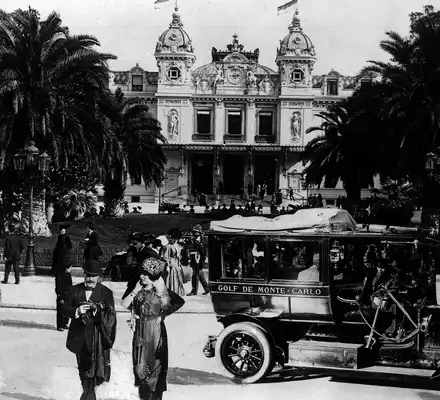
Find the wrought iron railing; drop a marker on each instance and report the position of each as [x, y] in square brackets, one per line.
[233, 138]
[265, 139]
[202, 137]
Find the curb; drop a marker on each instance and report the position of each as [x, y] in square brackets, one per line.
[53, 308]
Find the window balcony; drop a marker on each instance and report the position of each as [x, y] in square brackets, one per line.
[265, 139]
[233, 138]
[202, 137]
[137, 88]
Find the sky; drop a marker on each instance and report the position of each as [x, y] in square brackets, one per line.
[346, 33]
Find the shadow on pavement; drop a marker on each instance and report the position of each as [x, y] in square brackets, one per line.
[184, 376]
[428, 396]
[290, 375]
[21, 396]
[26, 325]
[406, 382]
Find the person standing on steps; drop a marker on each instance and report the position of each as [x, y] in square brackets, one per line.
[197, 260]
[14, 246]
[61, 267]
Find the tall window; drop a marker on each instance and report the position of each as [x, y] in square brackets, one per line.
[332, 87]
[136, 83]
[203, 122]
[265, 123]
[235, 123]
[136, 180]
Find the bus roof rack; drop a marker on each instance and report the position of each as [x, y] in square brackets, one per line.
[306, 220]
[317, 220]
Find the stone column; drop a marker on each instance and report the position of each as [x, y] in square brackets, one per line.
[219, 121]
[250, 121]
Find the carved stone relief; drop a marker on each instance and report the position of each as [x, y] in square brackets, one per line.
[266, 85]
[295, 126]
[173, 125]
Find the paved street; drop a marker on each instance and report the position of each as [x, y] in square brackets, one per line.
[35, 365]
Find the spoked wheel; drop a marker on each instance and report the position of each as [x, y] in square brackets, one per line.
[244, 353]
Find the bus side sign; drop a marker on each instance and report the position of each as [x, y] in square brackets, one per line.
[274, 290]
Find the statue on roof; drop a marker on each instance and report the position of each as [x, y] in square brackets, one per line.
[219, 78]
[214, 54]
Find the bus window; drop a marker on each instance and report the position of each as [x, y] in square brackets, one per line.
[295, 261]
[366, 264]
[244, 258]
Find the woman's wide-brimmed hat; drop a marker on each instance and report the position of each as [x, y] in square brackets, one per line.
[92, 268]
[153, 266]
[64, 226]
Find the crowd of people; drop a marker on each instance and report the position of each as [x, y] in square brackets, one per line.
[157, 269]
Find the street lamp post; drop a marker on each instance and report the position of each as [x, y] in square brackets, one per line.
[31, 159]
[160, 191]
[306, 187]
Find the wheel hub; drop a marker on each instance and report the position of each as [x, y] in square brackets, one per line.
[245, 352]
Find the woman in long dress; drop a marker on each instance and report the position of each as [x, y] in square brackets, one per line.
[150, 302]
[172, 255]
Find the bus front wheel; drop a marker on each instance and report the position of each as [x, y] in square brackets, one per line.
[244, 353]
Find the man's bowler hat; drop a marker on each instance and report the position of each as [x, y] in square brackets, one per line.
[92, 268]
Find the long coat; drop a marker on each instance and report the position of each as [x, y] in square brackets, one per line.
[61, 259]
[81, 335]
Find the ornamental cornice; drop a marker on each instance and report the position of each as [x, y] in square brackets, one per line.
[325, 103]
[244, 99]
[260, 148]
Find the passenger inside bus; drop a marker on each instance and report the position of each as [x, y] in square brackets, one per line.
[312, 273]
[244, 259]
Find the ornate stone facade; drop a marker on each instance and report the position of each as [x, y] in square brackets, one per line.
[234, 120]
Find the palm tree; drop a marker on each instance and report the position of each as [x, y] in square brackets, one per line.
[51, 84]
[410, 91]
[345, 151]
[139, 151]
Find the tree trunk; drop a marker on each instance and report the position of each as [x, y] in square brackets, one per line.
[39, 218]
[114, 189]
[430, 206]
[353, 195]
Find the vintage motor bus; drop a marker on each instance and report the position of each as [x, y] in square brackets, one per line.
[316, 291]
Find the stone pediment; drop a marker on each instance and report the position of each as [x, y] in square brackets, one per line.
[137, 70]
[236, 58]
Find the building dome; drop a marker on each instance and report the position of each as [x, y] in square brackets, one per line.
[175, 38]
[296, 41]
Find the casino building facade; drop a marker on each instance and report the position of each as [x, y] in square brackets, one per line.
[233, 120]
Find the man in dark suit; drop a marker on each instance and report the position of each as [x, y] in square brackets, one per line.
[150, 249]
[61, 268]
[91, 233]
[198, 258]
[14, 246]
[92, 331]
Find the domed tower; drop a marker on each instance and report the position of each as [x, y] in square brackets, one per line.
[175, 57]
[295, 60]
